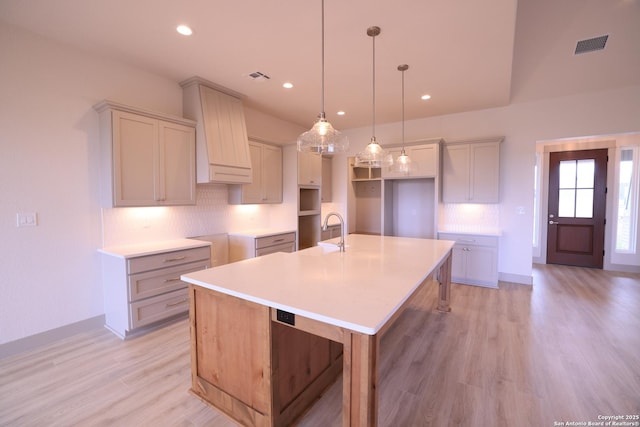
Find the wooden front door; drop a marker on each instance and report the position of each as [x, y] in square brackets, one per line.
[577, 196]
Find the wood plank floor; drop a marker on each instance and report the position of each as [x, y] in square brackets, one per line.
[567, 349]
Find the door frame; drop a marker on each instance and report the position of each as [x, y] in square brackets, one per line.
[544, 148]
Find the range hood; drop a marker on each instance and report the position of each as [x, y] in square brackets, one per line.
[222, 146]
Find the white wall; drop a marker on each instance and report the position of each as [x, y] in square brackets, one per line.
[49, 165]
[522, 124]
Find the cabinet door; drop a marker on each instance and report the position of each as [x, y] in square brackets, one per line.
[455, 174]
[271, 174]
[458, 263]
[177, 164]
[327, 169]
[135, 160]
[426, 159]
[309, 168]
[484, 180]
[482, 264]
[252, 193]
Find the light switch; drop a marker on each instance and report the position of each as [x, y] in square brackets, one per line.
[27, 219]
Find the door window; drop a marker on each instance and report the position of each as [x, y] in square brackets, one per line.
[575, 195]
[626, 202]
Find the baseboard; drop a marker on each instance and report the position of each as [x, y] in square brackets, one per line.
[34, 341]
[515, 278]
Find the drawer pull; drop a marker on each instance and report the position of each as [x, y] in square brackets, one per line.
[174, 304]
[278, 240]
[467, 240]
[174, 279]
[179, 258]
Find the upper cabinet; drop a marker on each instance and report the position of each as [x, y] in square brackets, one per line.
[266, 161]
[148, 159]
[221, 139]
[471, 171]
[327, 170]
[309, 168]
[425, 159]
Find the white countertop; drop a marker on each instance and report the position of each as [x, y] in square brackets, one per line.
[359, 289]
[151, 248]
[476, 231]
[260, 232]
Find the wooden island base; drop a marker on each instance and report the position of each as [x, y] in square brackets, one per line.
[259, 372]
[262, 372]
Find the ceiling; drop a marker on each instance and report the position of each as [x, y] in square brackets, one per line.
[467, 55]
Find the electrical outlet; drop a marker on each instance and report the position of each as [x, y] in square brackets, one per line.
[286, 317]
[26, 219]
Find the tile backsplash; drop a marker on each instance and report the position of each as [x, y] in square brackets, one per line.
[212, 214]
[469, 217]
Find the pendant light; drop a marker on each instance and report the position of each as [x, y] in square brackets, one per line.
[323, 138]
[374, 156]
[403, 165]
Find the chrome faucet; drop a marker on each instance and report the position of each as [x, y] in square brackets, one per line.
[326, 223]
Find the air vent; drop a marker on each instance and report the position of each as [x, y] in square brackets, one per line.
[590, 45]
[258, 76]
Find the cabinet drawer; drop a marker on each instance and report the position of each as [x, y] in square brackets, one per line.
[167, 259]
[160, 307]
[263, 242]
[283, 247]
[470, 239]
[156, 282]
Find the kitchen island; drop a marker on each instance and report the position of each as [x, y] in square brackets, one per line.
[269, 334]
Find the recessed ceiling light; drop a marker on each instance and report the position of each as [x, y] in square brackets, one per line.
[184, 30]
[287, 85]
[341, 113]
[425, 97]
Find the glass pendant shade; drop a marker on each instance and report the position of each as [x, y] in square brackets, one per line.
[403, 164]
[323, 138]
[374, 156]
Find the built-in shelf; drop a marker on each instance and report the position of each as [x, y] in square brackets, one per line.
[309, 204]
[365, 173]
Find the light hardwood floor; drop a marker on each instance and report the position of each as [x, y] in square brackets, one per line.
[566, 349]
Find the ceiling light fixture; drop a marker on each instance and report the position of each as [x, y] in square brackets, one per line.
[184, 30]
[322, 138]
[374, 156]
[403, 164]
[287, 85]
[425, 97]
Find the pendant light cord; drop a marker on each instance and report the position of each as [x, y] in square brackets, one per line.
[373, 133]
[322, 32]
[403, 70]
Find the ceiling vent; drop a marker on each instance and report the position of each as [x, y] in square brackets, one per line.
[590, 45]
[258, 76]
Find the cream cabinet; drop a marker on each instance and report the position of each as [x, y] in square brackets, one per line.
[326, 194]
[309, 168]
[253, 244]
[142, 286]
[222, 143]
[425, 160]
[471, 172]
[148, 159]
[332, 231]
[474, 259]
[266, 163]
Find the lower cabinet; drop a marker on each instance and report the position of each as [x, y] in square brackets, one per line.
[259, 243]
[331, 232]
[475, 259]
[142, 289]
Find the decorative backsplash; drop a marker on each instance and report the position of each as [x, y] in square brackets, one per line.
[462, 217]
[211, 215]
